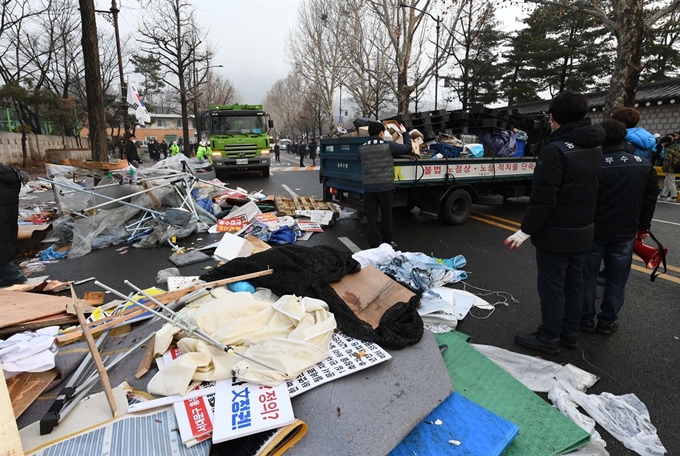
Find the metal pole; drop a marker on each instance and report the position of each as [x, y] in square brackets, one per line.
[181, 322]
[114, 12]
[78, 189]
[436, 67]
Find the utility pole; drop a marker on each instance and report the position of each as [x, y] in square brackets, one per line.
[123, 88]
[121, 78]
[96, 115]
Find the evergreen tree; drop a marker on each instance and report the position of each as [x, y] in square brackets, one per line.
[661, 51]
[558, 50]
[477, 53]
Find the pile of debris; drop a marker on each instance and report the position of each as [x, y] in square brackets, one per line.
[255, 356]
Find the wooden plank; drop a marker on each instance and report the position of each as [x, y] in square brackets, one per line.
[94, 298]
[9, 432]
[147, 359]
[52, 320]
[296, 203]
[280, 207]
[25, 388]
[101, 370]
[369, 293]
[102, 324]
[20, 306]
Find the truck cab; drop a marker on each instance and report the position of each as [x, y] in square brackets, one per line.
[239, 138]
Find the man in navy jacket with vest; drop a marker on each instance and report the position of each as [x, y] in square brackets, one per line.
[560, 218]
[626, 199]
[377, 177]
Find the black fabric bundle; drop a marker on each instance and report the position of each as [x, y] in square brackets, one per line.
[309, 271]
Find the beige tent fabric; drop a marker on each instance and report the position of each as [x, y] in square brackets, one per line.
[288, 333]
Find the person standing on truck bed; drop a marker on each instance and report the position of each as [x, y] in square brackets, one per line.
[560, 220]
[377, 176]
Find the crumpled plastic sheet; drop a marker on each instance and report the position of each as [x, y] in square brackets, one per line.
[51, 253]
[565, 404]
[625, 417]
[421, 272]
[539, 375]
[86, 229]
[163, 275]
[162, 233]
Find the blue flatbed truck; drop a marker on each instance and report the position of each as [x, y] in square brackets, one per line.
[443, 188]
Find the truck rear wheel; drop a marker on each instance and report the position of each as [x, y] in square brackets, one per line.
[457, 207]
[265, 172]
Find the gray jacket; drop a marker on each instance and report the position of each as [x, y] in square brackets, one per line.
[377, 164]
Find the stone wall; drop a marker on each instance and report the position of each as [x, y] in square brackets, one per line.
[660, 119]
[10, 147]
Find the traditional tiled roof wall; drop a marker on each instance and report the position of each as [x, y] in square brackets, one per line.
[658, 103]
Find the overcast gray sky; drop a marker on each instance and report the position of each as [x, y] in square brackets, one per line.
[249, 36]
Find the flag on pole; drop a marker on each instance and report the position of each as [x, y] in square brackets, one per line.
[135, 101]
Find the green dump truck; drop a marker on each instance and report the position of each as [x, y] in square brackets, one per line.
[239, 138]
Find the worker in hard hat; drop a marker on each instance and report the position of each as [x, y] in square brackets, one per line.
[174, 149]
[203, 152]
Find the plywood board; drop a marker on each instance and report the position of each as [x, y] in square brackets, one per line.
[25, 388]
[19, 306]
[51, 320]
[369, 293]
[9, 433]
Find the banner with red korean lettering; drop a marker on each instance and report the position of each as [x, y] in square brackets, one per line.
[243, 408]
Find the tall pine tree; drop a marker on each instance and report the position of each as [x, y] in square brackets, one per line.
[476, 53]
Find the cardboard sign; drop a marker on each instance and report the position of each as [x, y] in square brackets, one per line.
[309, 226]
[231, 225]
[243, 408]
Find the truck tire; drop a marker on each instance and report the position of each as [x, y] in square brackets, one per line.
[457, 207]
[265, 172]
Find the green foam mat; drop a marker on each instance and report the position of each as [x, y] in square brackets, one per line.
[543, 430]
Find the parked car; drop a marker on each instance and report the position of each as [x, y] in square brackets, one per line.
[143, 146]
[284, 144]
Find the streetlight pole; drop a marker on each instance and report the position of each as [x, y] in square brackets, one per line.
[436, 50]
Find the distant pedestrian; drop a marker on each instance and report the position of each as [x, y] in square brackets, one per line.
[174, 149]
[312, 152]
[131, 152]
[671, 165]
[121, 149]
[302, 151]
[277, 153]
[154, 151]
[164, 149]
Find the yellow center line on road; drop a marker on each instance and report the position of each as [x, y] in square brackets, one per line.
[495, 221]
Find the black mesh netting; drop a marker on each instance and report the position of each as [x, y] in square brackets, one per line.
[309, 271]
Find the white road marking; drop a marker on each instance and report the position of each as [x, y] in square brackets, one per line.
[664, 221]
[289, 190]
[349, 244]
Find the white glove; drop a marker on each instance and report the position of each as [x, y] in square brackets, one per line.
[517, 239]
[402, 128]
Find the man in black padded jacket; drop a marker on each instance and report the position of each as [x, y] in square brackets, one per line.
[560, 218]
[628, 188]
